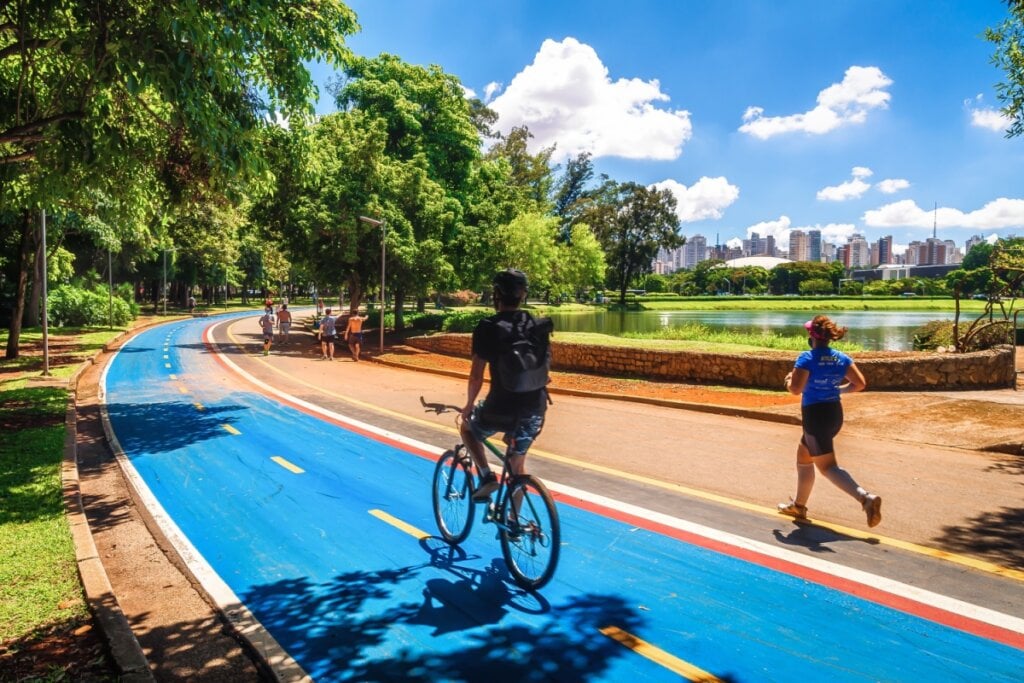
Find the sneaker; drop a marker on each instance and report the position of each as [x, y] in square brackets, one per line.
[793, 509]
[484, 489]
[873, 509]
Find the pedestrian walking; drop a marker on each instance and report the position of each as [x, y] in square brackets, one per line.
[328, 328]
[267, 324]
[284, 322]
[820, 375]
[354, 333]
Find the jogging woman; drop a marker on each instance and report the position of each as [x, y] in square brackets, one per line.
[821, 375]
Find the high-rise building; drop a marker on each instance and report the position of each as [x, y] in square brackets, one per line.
[885, 254]
[859, 253]
[799, 246]
[828, 252]
[971, 242]
[814, 250]
[694, 251]
[759, 246]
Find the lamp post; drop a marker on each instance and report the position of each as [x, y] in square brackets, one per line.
[164, 292]
[46, 326]
[110, 287]
[383, 234]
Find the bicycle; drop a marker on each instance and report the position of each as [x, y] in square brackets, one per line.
[522, 508]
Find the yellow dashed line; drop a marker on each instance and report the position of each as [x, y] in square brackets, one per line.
[231, 430]
[199, 406]
[659, 656]
[399, 524]
[287, 465]
[173, 376]
[167, 365]
[963, 560]
[166, 357]
[182, 389]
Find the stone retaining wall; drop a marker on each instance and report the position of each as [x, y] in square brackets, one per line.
[921, 371]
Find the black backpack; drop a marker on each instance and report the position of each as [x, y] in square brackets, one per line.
[524, 352]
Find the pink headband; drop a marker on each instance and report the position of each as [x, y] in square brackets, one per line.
[809, 326]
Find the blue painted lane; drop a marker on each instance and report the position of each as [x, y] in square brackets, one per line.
[351, 597]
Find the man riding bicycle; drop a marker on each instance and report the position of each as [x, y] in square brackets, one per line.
[519, 414]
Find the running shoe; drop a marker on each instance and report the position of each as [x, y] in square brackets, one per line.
[793, 509]
[873, 509]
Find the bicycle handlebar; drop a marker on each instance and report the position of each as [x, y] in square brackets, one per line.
[439, 408]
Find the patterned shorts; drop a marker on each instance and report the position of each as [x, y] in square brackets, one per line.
[483, 424]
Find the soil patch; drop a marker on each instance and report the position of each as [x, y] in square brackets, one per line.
[74, 651]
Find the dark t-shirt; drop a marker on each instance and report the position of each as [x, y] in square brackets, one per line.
[486, 345]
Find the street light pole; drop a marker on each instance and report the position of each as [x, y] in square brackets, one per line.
[46, 325]
[383, 235]
[110, 286]
[164, 292]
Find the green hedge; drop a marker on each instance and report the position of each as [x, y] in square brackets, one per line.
[69, 306]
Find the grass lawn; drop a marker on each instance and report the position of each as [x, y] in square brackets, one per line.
[815, 304]
[45, 625]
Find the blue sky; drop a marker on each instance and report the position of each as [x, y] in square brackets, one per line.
[760, 116]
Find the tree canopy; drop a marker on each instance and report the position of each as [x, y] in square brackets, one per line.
[1008, 38]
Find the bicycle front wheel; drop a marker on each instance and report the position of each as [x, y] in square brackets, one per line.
[532, 536]
[453, 497]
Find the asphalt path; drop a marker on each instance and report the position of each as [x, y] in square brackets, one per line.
[297, 490]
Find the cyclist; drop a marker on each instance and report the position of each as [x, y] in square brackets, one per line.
[519, 415]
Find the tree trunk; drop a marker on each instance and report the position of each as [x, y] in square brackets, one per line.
[399, 320]
[32, 306]
[24, 263]
[421, 304]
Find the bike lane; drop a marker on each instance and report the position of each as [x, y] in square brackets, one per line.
[325, 547]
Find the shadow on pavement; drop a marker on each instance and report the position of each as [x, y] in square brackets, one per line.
[346, 628]
[158, 427]
[996, 536]
[816, 538]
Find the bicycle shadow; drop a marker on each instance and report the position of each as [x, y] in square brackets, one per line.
[474, 597]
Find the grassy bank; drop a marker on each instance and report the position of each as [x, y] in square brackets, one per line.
[708, 337]
[42, 609]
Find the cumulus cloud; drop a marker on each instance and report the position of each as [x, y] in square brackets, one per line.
[490, 89]
[734, 243]
[999, 213]
[862, 89]
[851, 189]
[705, 199]
[781, 229]
[861, 172]
[892, 185]
[567, 98]
[467, 93]
[991, 119]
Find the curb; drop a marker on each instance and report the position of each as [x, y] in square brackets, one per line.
[663, 402]
[125, 649]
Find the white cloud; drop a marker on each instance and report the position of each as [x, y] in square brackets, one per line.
[781, 229]
[490, 89]
[734, 243]
[861, 172]
[467, 93]
[278, 119]
[706, 198]
[566, 98]
[992, 119]
[851, 189]
[862, 89]
[999, 213]
[892, 185]
[778, 229]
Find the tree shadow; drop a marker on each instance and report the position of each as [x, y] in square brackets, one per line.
[816, 538]
[1014, 466]
[157, 427]
[344, 629]
[996, 536]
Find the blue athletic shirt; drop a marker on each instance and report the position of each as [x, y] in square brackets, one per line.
[827, 368]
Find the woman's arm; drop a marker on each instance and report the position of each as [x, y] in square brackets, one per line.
[796, 381]
[855, 379]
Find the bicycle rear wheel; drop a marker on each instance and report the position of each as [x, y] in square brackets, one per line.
[532, 539]
[453, 496]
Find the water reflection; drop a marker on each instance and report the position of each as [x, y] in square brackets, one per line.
[874, 330]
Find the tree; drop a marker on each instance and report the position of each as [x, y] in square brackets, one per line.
[580, 265]
[93, 91]
[1003, 281]
[1008, 38]
[531, 174]
[571, 188]
[632, 222]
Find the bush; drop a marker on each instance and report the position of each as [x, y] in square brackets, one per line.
[425, 321]
[69, 306]
[936, 333]
[464, 321]
[463, 297]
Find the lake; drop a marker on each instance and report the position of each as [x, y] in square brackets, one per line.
[874, 330]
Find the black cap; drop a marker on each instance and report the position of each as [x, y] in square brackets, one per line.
[511, 282]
